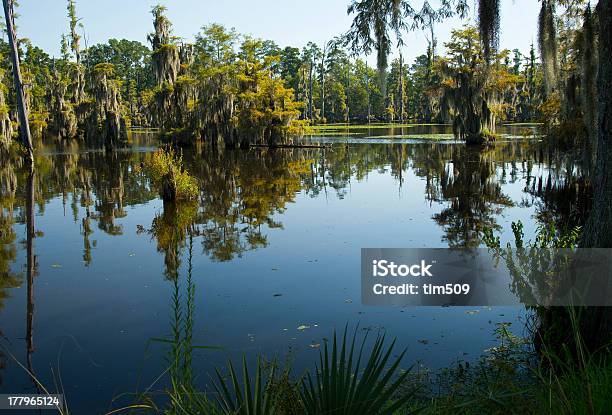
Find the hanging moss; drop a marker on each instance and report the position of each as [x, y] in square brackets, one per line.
[105, 122]
[215, 116]
[488, 23]
[63, 119]
[167, 63]
[472, 89]
[165, 54]
[173, 97]
[547, 42]
[6, 126]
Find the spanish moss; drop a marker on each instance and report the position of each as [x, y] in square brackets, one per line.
[488, 23]
[547, 42]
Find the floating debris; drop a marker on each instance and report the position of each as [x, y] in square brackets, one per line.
[423, 341]
[315, 345]
[472, 312]
[303, 327]
[348, 301]
[277, 295]
[56, 265]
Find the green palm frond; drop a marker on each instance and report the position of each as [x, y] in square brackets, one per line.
[342, 387]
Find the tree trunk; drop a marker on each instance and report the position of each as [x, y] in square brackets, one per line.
[310, 92]
[402, 92]
[368, 90]
[348, 90]
[24, 126]
[596, 322]
[31, 270]
[323, 83]
[598, 232]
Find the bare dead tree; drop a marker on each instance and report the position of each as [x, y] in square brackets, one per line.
[24, 126]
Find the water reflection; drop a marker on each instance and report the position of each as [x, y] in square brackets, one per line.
[476, 198]
[31, 272]
[244, 193]
[243, 229]
[170, 228]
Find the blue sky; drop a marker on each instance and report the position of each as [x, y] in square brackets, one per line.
[287, 22]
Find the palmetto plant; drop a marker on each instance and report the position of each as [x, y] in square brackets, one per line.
[253, 397]
[347, 382]
[343, 386]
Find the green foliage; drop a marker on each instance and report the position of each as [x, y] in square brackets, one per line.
[106, 69]
[584, 391]
[547, 236]
[573, 379]
[133, 65]
[343, 386]
[473, 86]
[215, 45]
[266, 109]
[500, 381]
[173, 182]
[252, 397]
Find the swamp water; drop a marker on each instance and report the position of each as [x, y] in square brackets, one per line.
[267, 263]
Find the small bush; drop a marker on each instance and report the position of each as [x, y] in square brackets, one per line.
[165, 168]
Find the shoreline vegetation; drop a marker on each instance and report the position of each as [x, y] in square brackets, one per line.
[359, 371]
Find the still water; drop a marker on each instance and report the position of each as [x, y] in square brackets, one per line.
[266, 263]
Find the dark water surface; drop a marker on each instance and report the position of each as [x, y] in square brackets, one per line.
[266, 263]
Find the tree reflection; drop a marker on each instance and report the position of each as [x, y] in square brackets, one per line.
[170, 228]
[244, 193]
[471, 186]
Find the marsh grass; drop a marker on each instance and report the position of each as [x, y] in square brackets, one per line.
[575, 381]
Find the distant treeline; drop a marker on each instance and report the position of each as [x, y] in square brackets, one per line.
[234, 89]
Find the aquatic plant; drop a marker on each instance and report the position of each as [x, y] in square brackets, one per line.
[173, 182]
[342, 386]
[253, 397]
